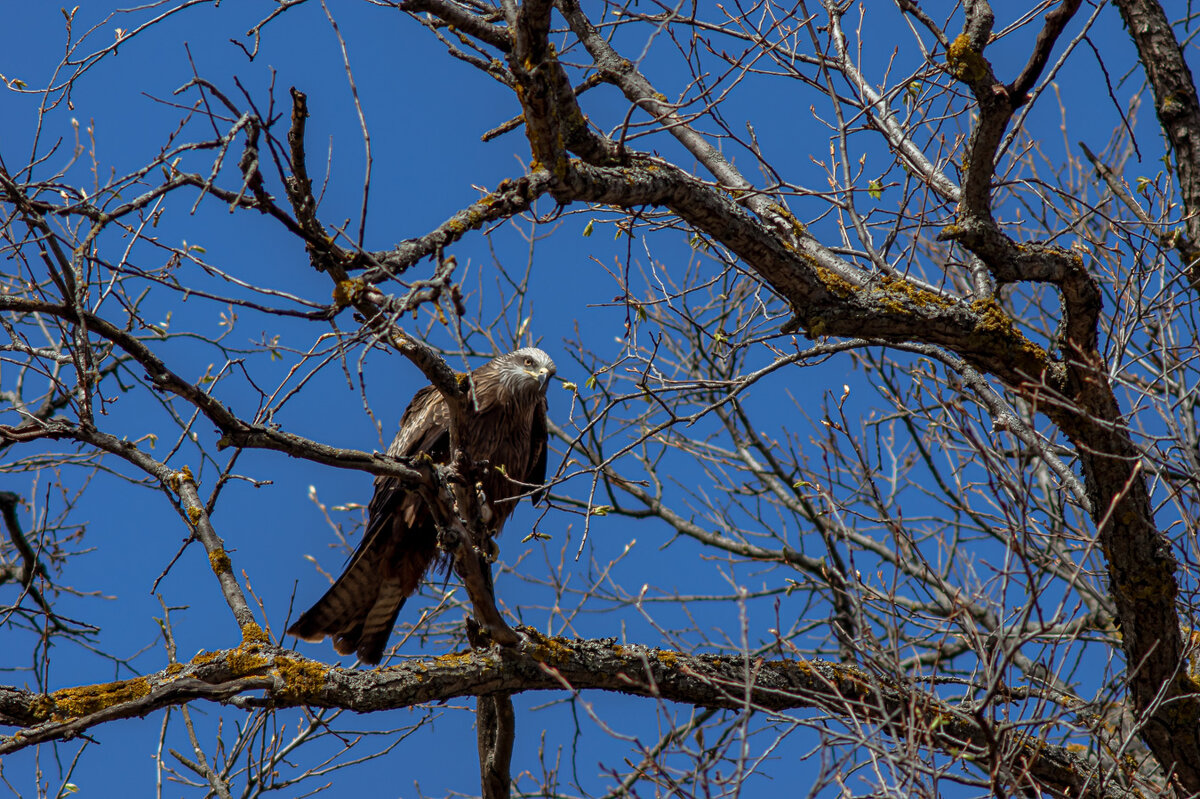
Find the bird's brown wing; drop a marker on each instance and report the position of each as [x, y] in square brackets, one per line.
[537, 450]
[424, 427]
[398, 546]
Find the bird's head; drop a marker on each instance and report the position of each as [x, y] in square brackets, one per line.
[525, 369]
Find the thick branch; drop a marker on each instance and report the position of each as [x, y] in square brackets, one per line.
[1056, 21]
[725, 682]
[495, 725]
[471, 24]
[1178, 108]
[890, 310]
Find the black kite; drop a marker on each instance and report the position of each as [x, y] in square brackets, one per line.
[508, 431]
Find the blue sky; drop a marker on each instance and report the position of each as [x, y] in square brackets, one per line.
[426, 112]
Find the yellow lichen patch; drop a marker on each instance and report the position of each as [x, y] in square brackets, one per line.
[219, 561]
[965, 62]
[194, 514]
[559, 647]
[253, 634]
[174, 668]
[205, 657]
[669, 659]
[246, 660]
[892, 306]
[301, 679]
[41, 708]
[796, 225]
[919, 296]
[546, 648]
[454, 659]
[177, 479]
[994, 321]
[837, 285]
[88, 699]
[346, 291]
[992, 318]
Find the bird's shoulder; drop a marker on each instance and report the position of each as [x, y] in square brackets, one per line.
[424, 421]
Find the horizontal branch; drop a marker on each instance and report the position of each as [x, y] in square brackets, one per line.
[541, 663]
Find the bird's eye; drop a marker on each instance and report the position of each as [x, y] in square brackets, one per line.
[529, 361]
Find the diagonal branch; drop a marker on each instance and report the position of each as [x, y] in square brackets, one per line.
[235, 431]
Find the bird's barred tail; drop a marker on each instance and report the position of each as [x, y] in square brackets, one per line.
[357, 612]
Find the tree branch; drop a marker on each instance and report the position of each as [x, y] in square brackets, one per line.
[554, 664]
[1178, 107]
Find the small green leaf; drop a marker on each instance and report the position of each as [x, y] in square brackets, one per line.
[587, 229]
[569, 386]
[601, 510]
[590, 382]
[875, 189]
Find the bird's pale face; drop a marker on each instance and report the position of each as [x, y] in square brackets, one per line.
[535, 366]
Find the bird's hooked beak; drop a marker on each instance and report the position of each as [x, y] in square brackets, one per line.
[543, 376]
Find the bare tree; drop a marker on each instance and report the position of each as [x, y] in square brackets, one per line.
[904, 402]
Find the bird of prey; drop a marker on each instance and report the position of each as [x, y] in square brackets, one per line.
[508, 431]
